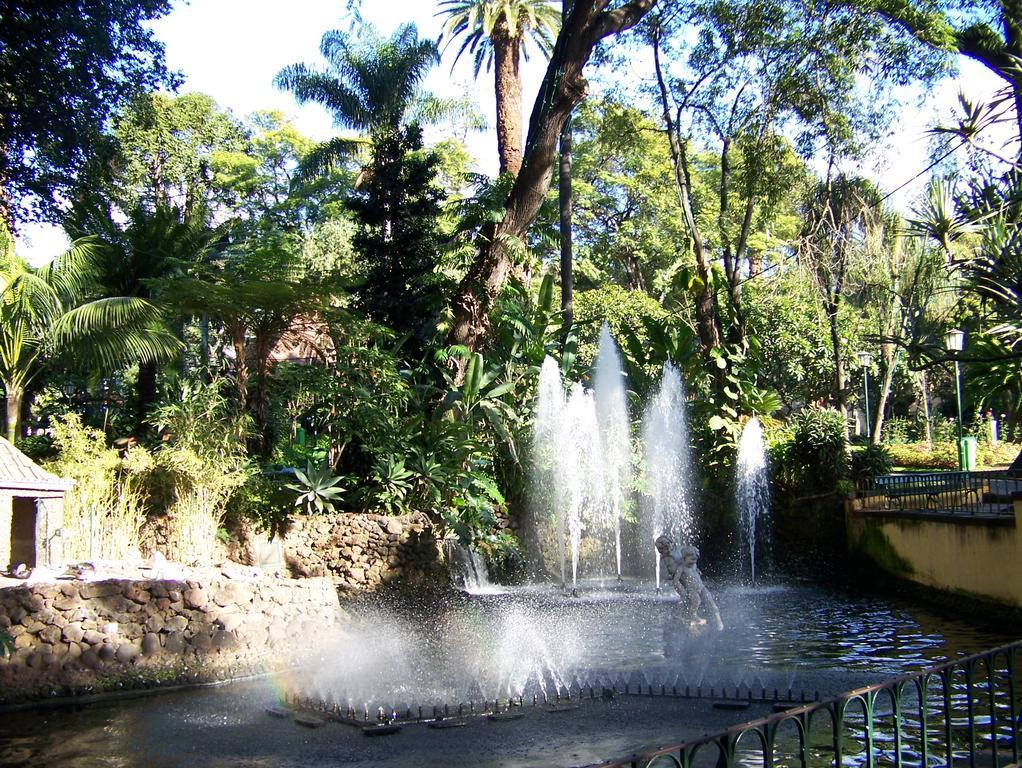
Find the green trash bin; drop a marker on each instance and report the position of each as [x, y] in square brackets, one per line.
[967, 453]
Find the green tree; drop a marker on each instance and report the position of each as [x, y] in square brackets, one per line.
[842, 214]
[754, 72]
[624, 201]
[563, 87]
[371, 87]
[41, 315]
[987, 31]
[398, 208]
[496, 33]
[65, 68]
[135, 260]
[166, 148]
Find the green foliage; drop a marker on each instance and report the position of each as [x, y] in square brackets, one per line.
[264, 499]
[393, 483]
[871, 461]
[166, 147]
[626, 227]
[621, 309]
[943, 455]
[318, 489]
[64, 70]
[201, 461]
[479, 22]
[808, 457]
[397, 208]
[104, 510]
[504, 556]
[6, 644]
[369, 85]
[41, 316]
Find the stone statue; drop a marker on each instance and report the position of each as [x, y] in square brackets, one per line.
[697, 610]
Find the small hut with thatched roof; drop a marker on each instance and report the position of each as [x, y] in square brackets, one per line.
[31, 511]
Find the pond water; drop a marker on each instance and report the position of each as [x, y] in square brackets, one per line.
[518, 643]
[533, 641]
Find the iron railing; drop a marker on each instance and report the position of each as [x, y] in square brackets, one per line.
[961, 712]
[970, 494]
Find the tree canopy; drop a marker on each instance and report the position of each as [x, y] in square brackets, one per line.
[65, 70]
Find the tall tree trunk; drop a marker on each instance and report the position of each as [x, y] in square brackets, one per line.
[891, 363]
[707, 324]
[15, 396]
[924, 392]
[507, 84]
[146, 395]
[840, 382]
[563, 87]
[240, 365]
[564, 198]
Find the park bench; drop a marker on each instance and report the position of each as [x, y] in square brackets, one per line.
[929, 490]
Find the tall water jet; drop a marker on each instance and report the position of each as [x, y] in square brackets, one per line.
[752, 488]
[612, 418]
[548, 482]
[668, 466]
[580, 468]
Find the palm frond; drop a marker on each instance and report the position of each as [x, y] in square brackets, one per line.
[329, 157]
[106, 316]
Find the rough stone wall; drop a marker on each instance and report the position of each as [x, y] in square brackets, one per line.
[364, 552]
[71, 636]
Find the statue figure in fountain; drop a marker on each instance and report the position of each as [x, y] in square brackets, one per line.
[697, 610]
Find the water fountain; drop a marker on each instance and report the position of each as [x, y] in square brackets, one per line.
[582, 455]
[612, 417]
[752, 488]
[668, 467]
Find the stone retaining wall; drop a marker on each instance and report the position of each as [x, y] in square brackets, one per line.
[364, 552]
[75, 636]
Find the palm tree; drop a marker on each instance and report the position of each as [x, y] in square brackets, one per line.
[40, 317]
[496, 33]
[134, 262]
[373, 88]
[842, 214]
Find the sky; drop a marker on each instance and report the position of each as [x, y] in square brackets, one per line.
[232, 49]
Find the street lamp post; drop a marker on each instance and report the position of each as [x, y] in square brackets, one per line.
[864, 361]
[954, 340]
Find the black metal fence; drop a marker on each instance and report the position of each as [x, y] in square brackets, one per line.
[988, 493]
[963, 712]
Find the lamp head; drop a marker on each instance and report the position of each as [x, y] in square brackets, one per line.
[865, 358]
[954, 340]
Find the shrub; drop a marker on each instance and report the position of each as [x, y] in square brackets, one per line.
[998, 453]
[104, 509]
[872, 461]
[919, 456]
[201, 463]
[809, 457]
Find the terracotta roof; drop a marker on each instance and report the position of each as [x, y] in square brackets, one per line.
[19, 473]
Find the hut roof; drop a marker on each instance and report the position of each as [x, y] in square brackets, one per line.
[20, 474]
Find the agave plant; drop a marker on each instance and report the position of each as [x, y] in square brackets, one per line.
[317, 488]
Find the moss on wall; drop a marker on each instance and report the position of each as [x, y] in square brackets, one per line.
[875, 545]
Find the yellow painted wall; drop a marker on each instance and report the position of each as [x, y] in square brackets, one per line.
[971, 558]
